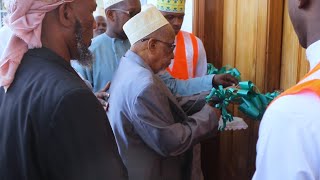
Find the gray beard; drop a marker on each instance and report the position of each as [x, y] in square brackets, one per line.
[85, 55]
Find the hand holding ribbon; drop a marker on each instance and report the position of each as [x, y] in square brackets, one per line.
[252, 102]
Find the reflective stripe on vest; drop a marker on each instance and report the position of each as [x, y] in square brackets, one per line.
[180, 68]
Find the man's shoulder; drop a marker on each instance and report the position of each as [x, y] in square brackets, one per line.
[64, 89]
[132, 72]
[46, 89]
[189, 33]
[185, 33]
[101, 40]
[299, 108]
[52, 75]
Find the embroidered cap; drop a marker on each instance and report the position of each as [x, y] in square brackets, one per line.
[144, 23]
[177, 6]
[108, 3]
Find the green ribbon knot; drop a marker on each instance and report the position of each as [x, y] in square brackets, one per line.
[224, 70]
[252, 102]
[246, 94]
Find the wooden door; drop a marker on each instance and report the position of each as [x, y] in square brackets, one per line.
[246, 35]
[294, 64]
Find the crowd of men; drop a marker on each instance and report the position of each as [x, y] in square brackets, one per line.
[52, 124]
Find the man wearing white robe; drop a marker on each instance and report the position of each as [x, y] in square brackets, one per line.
[289, 138]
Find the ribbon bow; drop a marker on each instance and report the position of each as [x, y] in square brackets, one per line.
[252, 102]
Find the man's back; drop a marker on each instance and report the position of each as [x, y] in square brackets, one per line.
[52, 126]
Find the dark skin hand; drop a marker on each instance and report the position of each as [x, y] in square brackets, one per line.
[103, 96]
[225, 80]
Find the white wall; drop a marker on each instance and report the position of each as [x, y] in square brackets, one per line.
[187, 23]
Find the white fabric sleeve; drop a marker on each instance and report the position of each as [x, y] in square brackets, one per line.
[202, 60]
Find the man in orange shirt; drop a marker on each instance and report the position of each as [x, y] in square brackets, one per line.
[190, 58]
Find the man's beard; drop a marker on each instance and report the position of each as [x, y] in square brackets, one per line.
[85, 56]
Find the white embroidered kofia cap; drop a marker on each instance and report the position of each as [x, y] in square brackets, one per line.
[144, 23]
[108, 3]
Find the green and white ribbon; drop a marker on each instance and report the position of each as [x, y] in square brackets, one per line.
[252, 102]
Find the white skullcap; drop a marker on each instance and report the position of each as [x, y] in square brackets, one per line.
[144, 23]
[108, 3]
[99, 12]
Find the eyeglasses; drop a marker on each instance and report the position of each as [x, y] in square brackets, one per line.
[169, 45]
[131, 14]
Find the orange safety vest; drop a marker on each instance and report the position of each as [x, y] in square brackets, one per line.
[311, 85]
[180, 65]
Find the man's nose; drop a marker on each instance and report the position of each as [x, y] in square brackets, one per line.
[177, 21]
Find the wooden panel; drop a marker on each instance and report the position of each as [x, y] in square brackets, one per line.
[251, 41]
[198, 20]
[294, 64]
[214, 32]
[274, 43]
[229, 35]
[246, 33]
[245, 52]
[261, 44]
[208, 26]
[260, 40]
[226, 168]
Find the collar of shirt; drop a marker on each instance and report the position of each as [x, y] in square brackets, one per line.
[313, 54]
[136, 58]
[116, 39]
[51, 57]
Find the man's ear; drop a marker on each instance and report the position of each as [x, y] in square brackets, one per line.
[66, 15]
[303, 3]
[110, 15]
[152, 45]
